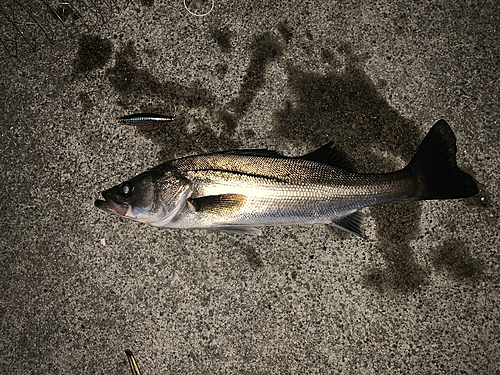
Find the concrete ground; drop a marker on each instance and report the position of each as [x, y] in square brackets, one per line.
[80, 286]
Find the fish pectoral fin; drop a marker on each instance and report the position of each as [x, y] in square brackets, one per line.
[223, 204]
[240, 230]
[351, 223]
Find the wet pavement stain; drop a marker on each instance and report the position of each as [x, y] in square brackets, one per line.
[133, 83]
[223, 38]
[175, 140]
[93, 53]
[285, 30]
[455, 258]
[138, 86]
[264, 49]
[342, 105]
[221, 70]
[397, 225]
[86, 101]
[253, 257]
[345, 106]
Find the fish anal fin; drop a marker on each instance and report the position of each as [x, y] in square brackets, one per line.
[330, 155]
[223, 204]
[240, 230]
[351, 223]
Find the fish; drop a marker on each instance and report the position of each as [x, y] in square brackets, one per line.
[241, 190]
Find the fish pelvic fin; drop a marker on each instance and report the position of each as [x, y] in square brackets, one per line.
[435, 166]
[351, 223]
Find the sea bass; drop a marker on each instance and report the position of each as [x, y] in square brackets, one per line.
[238, 191]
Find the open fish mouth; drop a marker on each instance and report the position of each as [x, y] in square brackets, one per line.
[116, 208]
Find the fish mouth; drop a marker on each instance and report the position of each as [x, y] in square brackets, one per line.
[110, 206]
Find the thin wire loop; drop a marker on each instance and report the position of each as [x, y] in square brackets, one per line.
[200, 15]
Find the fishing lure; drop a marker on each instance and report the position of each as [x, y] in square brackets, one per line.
[139, 119]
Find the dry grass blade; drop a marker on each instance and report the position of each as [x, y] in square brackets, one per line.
[133, 364]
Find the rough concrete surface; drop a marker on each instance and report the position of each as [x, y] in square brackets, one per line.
[80, 286]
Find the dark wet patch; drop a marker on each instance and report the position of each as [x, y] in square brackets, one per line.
[87, 103]
[93, 53]
[397, 224]
[223, 38]
[345, 106]
[253, 257]
[134, 84]
[328, 56]
[455, 258]
[264, 49]
[175, 140]
[347, 50]
[401, 274]
[285, 30]
[228, 121]
[221, 70]
[248, 134]
[139, 87]
[148, 3]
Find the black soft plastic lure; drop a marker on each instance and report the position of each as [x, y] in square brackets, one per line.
[140, 119]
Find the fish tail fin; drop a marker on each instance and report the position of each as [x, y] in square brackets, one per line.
[435, 164]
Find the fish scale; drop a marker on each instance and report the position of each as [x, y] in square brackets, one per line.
[273, 201]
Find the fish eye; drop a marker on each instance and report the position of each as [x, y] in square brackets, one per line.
[127, 189]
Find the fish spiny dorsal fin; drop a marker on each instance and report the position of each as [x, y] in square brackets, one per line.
[330, 155]
[223, 204]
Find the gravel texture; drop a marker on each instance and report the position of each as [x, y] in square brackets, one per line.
[80, 286]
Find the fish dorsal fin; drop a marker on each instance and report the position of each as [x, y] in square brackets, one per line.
[223, 204]
[351, 223]
[254, 152]
[330, 155]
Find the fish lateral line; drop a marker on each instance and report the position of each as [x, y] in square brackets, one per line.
[245, 174]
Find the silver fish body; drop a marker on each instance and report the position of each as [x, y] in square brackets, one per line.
[238, 191]
[256, 191]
